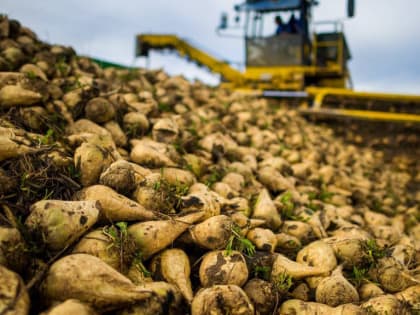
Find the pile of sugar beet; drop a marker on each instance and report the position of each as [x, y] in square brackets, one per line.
[126, 191]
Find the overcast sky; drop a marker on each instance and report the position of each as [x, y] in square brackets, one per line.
[384, 37]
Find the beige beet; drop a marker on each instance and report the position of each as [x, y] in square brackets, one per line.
[301, 292]
[263, 239]
[115, 207]
[34, 117]
[202, 199]
[103, 141]
[165, 130]
[120, 176]
[163, 148]
[177, 176]
[243, 169]
[336, 290]
[410, 295]
[11, 144]
[350, 251]
[135, 123]
[301, 230]
[265, 209]
[245, 223]
[236, 204]
[14, 299]
[287, 242]
[224, 190]
[221, 299]
[99, 110]
[388, 235]
[235, 181]
[218, 143]
[314, 220]
[138, 273]
[310, 308]
[405, 250]
[166, 300]
[375, 219]
[70, 306]
[220, 267]
[283, 265]
[86, 126]
[385, 304]
[91, 160]
[369, 290]
[250, 161]
[213, 233]
[318, 254]
[149, 156]
[262, 295]
[151, 194]
[392, 275]
[352, 233]
[12, 95]
[173, 266]
[116, 132]
[92, 281]
[273, 180]
[33, 71]
[153, 236]
[59, 223]
[13, 55]
[100, 244]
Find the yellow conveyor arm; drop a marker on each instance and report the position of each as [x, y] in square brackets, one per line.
[154, 41]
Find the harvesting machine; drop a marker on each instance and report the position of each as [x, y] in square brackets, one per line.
[308, 62]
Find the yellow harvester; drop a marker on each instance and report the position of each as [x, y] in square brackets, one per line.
[296, 61]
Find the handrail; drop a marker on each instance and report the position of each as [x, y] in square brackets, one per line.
[331, 43]
[337, 24]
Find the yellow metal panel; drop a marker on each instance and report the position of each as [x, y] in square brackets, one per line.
[339, 83]
[281, 78]
[257, 72]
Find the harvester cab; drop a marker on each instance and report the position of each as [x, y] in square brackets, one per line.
[294, 55]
